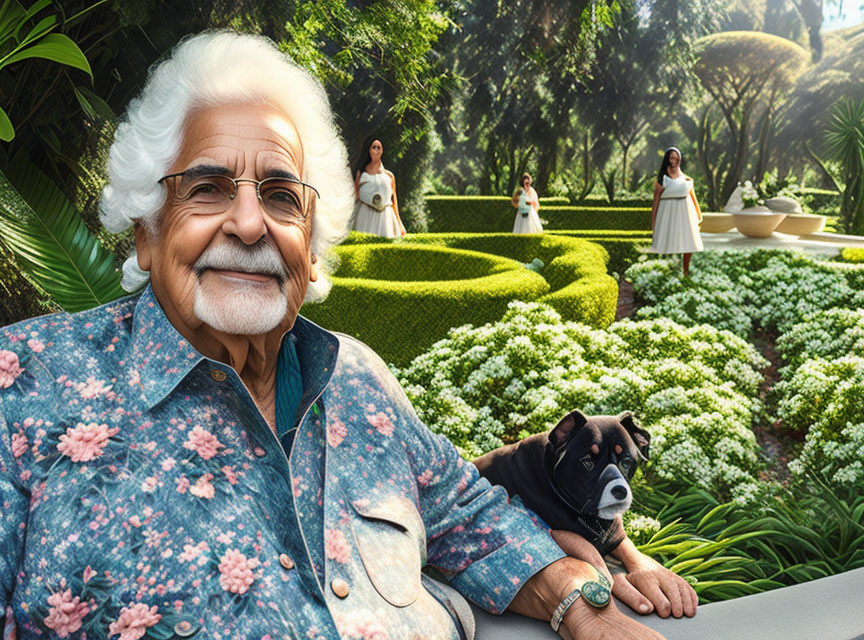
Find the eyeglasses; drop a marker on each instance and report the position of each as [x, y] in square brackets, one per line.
[284, 199]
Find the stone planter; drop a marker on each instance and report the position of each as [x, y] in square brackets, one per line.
[801, 224]
[717, 222]
[758, 224]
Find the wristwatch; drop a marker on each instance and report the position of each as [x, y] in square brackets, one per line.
[595, 592]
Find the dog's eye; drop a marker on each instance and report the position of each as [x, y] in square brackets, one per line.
[626, 464]
[588, 463]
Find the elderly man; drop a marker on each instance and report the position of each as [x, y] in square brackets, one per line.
[198, 460]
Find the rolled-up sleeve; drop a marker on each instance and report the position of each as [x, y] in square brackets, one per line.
[485, 547]
[13, 520]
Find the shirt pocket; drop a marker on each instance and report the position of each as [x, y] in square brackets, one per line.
[391, 539]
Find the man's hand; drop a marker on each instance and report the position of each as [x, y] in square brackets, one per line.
[539, 597]
[649, 583]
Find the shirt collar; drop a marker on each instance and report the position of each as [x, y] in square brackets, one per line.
[162, 357]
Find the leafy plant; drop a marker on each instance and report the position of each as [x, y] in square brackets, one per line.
[845, 141]
[38, 42]
[56, 251]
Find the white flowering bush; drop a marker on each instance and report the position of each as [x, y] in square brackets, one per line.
[823, 394]
[736, 290]
[814, 305]
[827, 335]
[750, 195]
[838, 456]
[694, 389]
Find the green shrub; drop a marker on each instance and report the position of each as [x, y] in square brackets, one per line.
[495, 214]
[850, 254]
[692, 388]
[624, 218]
[429, 283]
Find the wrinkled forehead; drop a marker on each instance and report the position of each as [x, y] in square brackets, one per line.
[245, 138]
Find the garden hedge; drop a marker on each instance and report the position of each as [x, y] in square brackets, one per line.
[429, 283]
[495, 214]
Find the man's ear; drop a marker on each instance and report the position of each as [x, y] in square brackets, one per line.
[641, 438]
[142, 247]
[564, 430]
[313, 270]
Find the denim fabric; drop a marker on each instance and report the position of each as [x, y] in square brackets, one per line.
[144, 495]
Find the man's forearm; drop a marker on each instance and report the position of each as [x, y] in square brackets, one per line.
[549, 586]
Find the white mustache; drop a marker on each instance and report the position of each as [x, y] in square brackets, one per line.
[258, 258]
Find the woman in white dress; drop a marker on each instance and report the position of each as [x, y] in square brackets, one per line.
[377, 209]
[675, 213]
[527, 205]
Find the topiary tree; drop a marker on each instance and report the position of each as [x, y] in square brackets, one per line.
[747, 75]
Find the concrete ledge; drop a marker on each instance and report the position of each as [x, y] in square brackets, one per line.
[827, 609]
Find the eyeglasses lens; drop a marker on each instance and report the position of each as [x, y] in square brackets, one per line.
[282, 199]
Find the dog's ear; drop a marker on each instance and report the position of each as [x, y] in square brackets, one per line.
[640, 437]
[569, 424]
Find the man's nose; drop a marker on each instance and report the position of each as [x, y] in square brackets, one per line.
[246, 215]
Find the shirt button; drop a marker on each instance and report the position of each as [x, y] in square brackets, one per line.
[340, 587]
[286, 561]
[218, 375]
[184, 628]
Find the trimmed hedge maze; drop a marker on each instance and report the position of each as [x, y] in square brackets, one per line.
[429, 283]
[495, 214]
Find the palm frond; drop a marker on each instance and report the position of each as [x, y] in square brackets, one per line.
[53, 247]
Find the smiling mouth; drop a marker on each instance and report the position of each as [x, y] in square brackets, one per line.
[244, 275]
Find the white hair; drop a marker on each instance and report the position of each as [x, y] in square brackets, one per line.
[210, 69]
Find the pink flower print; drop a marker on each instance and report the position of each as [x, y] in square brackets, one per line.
[425, 478]
[88, 573]
[134, 621]
[66, 613]
[336, 546]
[167, 464]
[182, 484]
[85, 442]
[336, 432]
[93, 388]
[203, 443]
[382, 423]
[36, 345]
[10, 368]
[19, 444]
[229, 474]
[203, 487]
[236, 571]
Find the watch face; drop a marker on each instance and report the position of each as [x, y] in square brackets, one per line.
[595, 593]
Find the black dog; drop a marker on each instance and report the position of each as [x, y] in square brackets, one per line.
[576, 476]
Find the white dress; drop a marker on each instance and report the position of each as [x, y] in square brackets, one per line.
[527, 220]
[676, 226]
[374, 209]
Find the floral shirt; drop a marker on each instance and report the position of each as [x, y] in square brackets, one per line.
[144, 495]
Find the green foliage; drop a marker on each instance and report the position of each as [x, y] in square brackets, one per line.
[845, 144]
[691, 388]
[491, 214]
[431, 282]
[747, 74]
[737, 290]
[728, 550]
[850, 254]
[22, 37]
[53, 247]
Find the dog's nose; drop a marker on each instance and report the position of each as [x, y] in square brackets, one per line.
[619, 492]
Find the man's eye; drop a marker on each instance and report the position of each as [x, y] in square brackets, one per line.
[283, 196]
